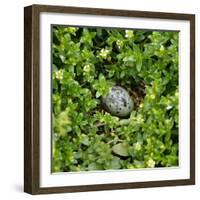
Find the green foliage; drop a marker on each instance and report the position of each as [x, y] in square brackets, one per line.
[87, 62]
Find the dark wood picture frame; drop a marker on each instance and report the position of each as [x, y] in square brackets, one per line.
[32, 105]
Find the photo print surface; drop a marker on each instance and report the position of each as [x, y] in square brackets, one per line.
[115, 99]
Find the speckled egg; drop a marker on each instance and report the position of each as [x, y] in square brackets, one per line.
[118, 102]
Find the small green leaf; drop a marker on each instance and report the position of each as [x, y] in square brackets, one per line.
[98, 94]
[139, 61]
[92, 166]
[62, 123]
[85, 140]
[139, 65]
[120, 149]
[115, 163]
[62, 58]
[124, 121]
[129, 59]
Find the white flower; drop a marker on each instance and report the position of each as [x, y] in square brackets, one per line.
[169, 107]
[86, 68]
[151, 163]
[129, 33]
[140, 119]
[119, 43]
[59, 74]
[71, 30]
[162, 48]
[138, 146]
[162, 146]
[152, 96]
[176, 93]
[104, 53]
[141, 105]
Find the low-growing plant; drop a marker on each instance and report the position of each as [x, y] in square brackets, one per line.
[87, 62]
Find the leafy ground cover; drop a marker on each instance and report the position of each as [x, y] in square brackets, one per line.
[87, 62]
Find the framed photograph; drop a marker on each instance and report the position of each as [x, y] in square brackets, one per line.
[109, 99]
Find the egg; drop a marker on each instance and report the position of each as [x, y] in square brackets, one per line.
[118, 102]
